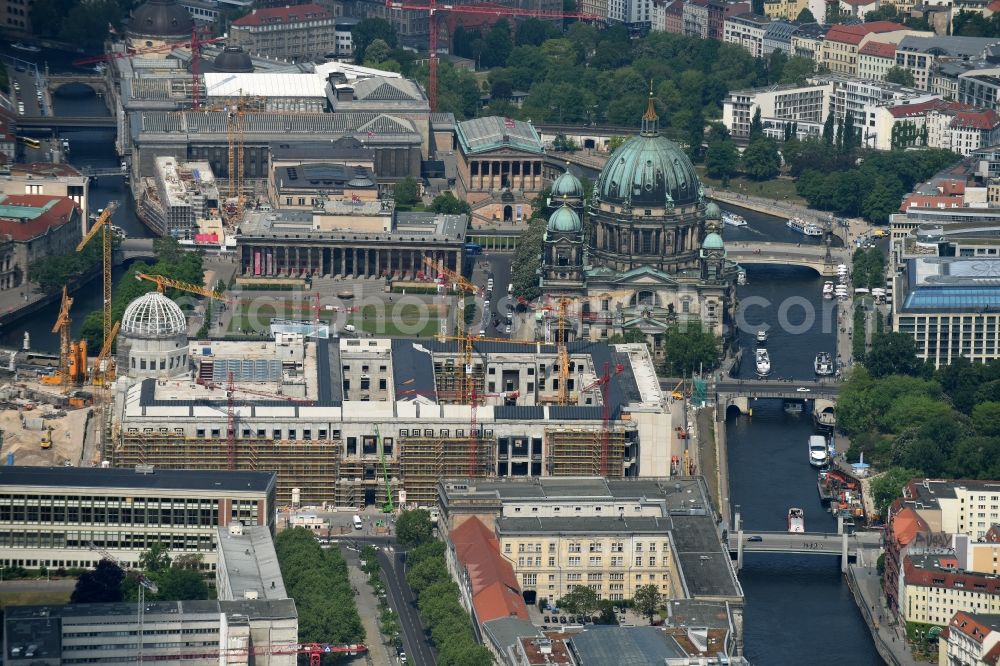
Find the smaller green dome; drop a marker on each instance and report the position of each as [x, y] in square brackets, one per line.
[713, 212]
[564, 220]
[713, 241]
[567, 185]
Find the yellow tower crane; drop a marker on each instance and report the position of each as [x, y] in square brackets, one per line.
[103, 224]
[104, 369]
[162, 282]
[465, 380]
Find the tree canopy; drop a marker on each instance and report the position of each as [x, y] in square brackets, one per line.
[367, 31]
[927, 423]
[647, 600]
[414, 528]
[831, 180]
[690, 348]
[437, 594]
[103, 584]
[318, 581]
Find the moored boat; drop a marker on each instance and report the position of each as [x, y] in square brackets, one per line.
[819, 455]
[803, 227]
[823, 364]
[732, 219]
[25, 47]
[763, 361]
[796, 521]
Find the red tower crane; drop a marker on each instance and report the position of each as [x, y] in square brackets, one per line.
[197, 41]
[482, 9]
[314, 650]
[603, 382]
[231, 390]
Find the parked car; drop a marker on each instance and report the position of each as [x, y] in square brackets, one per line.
[755, 538]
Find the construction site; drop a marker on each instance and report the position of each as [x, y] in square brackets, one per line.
[358, 422]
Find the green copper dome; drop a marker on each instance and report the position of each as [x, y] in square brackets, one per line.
[564, 220]
[713, 212]
[713, 241]
[649, 170]
[567, 186]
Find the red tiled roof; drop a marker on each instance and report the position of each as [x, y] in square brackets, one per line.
[853, 34]
[949, 580]
[994, 6]
[982, 119]
[879, 49]
[277, 15]
[920, 108]
[40, 214]
[906, 524]
[964, 623]
[44, 169]
[930, 201]
[495, 592]
[993, 656]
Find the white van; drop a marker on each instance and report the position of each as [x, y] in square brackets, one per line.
[357, 522]
[349, 328]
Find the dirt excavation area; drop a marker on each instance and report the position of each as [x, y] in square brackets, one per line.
[40, 434]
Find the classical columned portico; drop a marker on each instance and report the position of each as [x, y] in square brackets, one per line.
[494, 174]
[304, 260]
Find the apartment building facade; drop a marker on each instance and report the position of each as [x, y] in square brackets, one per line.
[299, 33]
[747, 31]
[807, 105]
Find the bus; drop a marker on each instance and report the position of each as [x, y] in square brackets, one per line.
[28, 141]
[473, 249]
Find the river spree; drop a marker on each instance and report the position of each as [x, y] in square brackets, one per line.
[798, 608]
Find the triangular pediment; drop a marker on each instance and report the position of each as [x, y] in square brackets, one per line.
[643, 275]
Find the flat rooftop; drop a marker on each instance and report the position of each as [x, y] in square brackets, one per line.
[682, 506]
[251, 564]
[963, 284]
[398, 227]
[43, 625]
[623, 646]
[159, 479]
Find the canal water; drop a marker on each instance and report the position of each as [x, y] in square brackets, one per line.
[88, 149]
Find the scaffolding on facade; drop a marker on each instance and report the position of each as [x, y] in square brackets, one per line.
[449, 380]
[577, 452]
[426, 460]
[361, 482]
[311, 466]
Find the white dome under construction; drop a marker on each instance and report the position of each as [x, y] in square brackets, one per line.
[153, 340]
[153, 315]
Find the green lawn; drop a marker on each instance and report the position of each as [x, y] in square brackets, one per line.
[391, 319]
[397, 320]
[779, 189]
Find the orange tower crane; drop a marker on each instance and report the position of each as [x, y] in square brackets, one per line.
[62, 328]
[434, 9]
